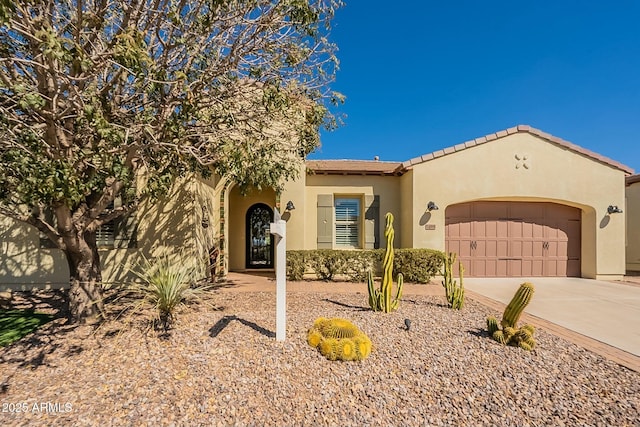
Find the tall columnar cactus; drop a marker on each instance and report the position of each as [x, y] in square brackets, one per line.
[339, 339]
[519, 301]
[380, 299]
[453, 291]
[510, 333]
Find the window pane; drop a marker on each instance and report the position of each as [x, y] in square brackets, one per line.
[105, 234]
[347, 209]
[347, 222]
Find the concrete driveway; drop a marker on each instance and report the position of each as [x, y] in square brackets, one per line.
[605, 311]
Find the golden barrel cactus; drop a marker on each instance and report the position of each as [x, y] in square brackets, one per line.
[339, 339]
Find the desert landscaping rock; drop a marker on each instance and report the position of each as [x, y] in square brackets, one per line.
[221, 365]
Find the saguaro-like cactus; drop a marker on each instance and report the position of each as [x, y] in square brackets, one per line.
[453, 291]
[510, 333]
[380, 299]
[519, 301]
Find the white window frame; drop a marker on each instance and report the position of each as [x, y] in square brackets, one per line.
[347, 222]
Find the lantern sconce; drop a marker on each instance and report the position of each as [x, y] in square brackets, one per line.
[431, 206]
[613, 209]
[290, 206]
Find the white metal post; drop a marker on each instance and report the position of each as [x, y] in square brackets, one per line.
[279, 230]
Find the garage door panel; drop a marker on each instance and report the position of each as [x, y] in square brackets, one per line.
[502, 249]
[574, 246]
[515, 248]
[562, 250]
[502, 228]
[549, 267]
[460, 211]
[465, 229]
[526, 210]
[561, 268]
[465, 248]
[501, 268]
[515, 267]
[491, 229]
[515, 238]
[490, 210]
[453, 230]
[537, 231]
[479, 267]
[527, 249]
[515, 229]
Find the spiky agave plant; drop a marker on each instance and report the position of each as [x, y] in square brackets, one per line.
[165, 286]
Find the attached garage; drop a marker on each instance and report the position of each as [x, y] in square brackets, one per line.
[510, 239]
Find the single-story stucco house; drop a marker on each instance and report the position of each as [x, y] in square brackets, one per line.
[518, 202]
[633, 223]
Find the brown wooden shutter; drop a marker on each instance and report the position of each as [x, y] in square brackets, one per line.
[325, 221]
[371, 222]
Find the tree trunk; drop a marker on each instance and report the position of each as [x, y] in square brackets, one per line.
[85, 294]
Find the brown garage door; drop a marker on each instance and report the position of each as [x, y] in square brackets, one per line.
[503, 239]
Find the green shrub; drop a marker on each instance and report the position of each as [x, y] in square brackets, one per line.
[296, 265]
[327, 263]
[359, 263]
[418, 265]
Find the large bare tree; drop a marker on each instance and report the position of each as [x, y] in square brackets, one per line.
[95, 94]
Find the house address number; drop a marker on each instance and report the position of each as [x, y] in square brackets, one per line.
[430, 227]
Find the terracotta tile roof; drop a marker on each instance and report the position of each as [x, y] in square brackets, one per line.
[633, 179]
[353, 167]
[517, 129]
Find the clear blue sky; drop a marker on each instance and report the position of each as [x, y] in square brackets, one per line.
[421, 76]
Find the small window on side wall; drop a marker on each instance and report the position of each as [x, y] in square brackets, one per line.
[347, 222]
[120, 233]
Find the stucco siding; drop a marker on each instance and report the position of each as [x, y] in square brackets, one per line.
[165, 226]
[387, 187]
[524, 167]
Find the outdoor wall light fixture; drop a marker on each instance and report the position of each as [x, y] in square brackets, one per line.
[431, 206]
[290, 206]
[613, 209]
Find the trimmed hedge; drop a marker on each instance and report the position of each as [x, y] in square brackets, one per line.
[417, 265]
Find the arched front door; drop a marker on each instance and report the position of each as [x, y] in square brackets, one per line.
[259, 242]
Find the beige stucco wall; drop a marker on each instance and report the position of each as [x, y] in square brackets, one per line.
[298, 219]
[406, 210]
[170, 225]
[633, 226]
[491, 171]
[236, 231]
[387, 187]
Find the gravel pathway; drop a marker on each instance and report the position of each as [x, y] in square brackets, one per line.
[223, 367]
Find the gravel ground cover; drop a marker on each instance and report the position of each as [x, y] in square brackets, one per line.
[222, 366]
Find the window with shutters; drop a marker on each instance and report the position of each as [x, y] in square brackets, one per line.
[118, 233]
[347, 222]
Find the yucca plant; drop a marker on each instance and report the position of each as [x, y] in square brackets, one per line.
[165, 285]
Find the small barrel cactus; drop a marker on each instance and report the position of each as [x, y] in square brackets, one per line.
[339, 339]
